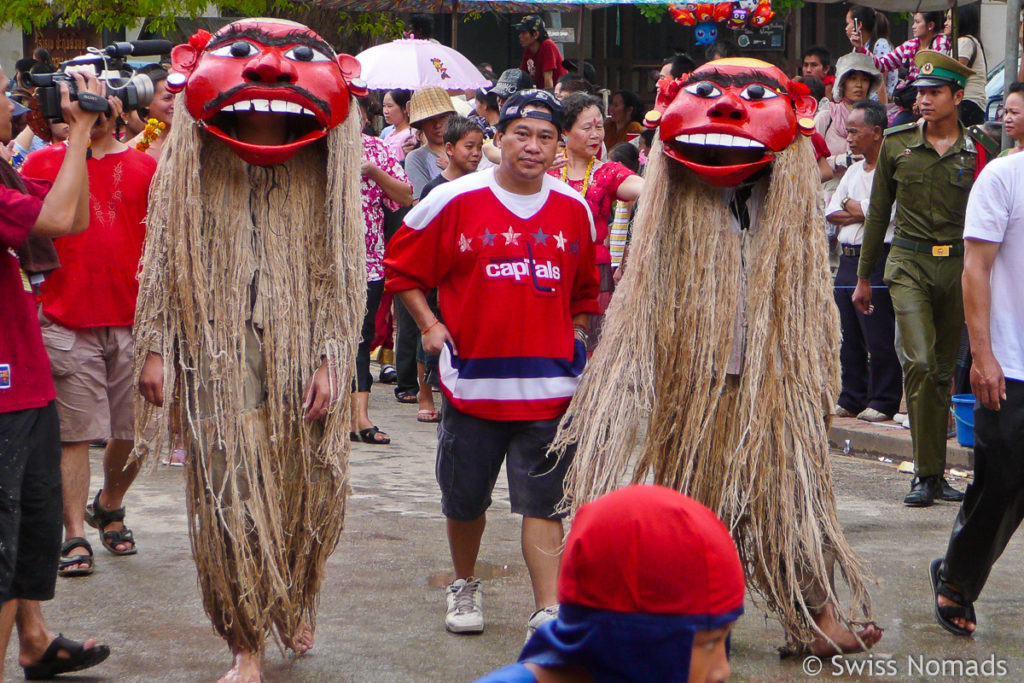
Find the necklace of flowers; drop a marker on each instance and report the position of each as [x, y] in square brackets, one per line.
[150, 133]
[586, 176]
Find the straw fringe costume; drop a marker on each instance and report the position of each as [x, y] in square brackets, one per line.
[251, 275]
[658, 404]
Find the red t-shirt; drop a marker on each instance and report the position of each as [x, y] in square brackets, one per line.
[25, 380]
[601, 191]
[511, 271]
[96, 285]
[548, 58]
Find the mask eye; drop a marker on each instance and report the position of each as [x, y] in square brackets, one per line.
[757, 92]
[238, 49]
[304, 53]
[705, 89]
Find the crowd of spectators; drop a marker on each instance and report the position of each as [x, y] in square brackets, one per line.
[87, 304]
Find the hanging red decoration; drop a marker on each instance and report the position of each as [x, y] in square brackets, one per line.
[737, 14]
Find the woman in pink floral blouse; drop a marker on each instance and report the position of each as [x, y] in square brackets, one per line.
[383, 184]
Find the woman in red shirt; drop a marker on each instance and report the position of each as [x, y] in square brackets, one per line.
[600, 183]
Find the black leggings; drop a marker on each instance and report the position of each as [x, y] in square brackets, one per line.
[374, 291]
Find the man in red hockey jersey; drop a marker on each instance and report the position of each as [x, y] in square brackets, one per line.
[511, 252]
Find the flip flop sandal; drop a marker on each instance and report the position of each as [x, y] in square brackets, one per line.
[946, 613]
[79, 658]
[99, 518]
[428, 416]
[407, 397]
[64, 567]
[369, 435]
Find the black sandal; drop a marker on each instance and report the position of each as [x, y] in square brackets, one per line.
[79, 658]
[407, 397]
[64, 567]
[946, 613]
[99, 518]
[369, 435]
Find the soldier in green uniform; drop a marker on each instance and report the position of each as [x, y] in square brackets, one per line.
[927, 168]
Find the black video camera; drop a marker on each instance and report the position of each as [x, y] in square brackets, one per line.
[134, 90]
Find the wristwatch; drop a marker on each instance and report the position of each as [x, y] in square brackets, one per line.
[842, 204]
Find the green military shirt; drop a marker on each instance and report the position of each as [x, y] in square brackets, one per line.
[930, 191]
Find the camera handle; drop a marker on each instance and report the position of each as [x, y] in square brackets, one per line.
[91, 102]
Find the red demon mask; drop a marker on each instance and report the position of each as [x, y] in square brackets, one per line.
[729, 118]
[261, 68]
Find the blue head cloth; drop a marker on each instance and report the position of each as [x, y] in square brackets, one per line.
[616, 647]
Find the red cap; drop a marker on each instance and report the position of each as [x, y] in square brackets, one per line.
[651, 550]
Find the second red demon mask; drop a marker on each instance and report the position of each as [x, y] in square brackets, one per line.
[264, 67]
[728, 119]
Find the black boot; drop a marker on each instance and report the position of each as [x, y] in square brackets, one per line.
[923, 491]
[947, 492]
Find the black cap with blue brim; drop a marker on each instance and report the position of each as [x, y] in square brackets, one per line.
[516, 107]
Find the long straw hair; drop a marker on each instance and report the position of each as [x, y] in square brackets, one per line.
[244, 264]
[657, 403]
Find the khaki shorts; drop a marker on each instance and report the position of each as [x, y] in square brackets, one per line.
[92, 373]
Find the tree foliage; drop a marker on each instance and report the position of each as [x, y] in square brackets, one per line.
[31, 15]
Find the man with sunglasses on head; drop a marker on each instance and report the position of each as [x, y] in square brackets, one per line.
[511, 252]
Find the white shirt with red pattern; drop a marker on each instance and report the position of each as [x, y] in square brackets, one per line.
[374, 201]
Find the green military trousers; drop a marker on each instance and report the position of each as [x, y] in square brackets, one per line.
[926, 296]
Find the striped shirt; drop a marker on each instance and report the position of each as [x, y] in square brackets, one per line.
[903, 55]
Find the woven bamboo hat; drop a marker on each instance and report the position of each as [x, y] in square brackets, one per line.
[427, 103]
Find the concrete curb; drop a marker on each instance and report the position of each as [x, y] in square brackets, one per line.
[875, 441]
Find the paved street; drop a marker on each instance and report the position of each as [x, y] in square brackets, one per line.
[381, 615]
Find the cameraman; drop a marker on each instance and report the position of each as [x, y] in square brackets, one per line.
[88, 308]
[30, 476]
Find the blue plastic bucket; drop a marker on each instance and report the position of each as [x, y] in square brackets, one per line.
[963, 411]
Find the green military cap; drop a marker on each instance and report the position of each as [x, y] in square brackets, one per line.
[939, 69]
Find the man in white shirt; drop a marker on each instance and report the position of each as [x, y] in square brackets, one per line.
[871, 373]
[993, 280]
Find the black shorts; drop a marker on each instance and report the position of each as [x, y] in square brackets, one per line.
[470, 451]
[30, 503]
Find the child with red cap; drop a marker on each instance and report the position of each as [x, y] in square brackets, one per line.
[650, 587]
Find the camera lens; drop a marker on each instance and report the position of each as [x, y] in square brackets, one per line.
[144, 88]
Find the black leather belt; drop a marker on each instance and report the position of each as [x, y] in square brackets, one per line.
[934, 248]
[850, 249]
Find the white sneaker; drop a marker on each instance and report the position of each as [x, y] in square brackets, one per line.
[464, 598]
[540, 617]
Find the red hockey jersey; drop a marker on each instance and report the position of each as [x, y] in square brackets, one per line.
[511, 271]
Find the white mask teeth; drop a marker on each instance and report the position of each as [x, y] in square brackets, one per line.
[261, 105]
[718, 140]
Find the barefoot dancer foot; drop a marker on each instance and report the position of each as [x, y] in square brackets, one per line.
[840, 636]
[246, 669]
[302, 641]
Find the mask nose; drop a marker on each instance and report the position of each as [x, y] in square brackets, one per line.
[268, 67]
[728, 107]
